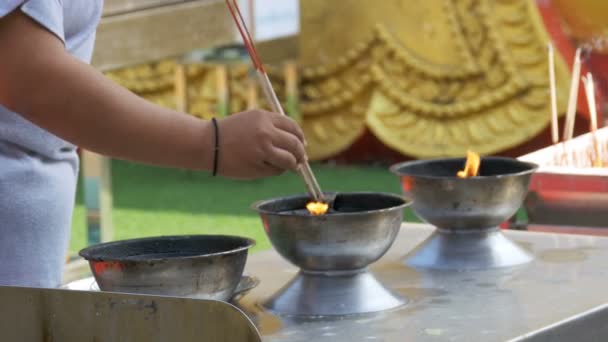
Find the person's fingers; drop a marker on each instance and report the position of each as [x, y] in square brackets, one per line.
[290, 143]
[269, 170]
[289, 125]
[281, 159]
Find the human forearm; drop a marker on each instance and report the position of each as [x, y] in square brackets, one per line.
[41, 81]
[76, 102]
[79, 104]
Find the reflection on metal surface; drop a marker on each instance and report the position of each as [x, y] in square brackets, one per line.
[77, 316]
[336, 295]
[478, 250]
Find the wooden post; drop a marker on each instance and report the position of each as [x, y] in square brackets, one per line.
[222, 90]
[252, 94]
[97, 197]
[291, 86]
[252, 27]
[181, 88]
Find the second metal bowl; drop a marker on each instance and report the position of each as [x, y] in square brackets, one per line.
[359, 230]
[451, 203]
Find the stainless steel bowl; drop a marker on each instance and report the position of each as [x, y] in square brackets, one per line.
[467, 212]
[359, 230]
[451, 203]
[197, 266]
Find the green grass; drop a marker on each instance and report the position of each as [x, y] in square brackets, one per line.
[152, 201]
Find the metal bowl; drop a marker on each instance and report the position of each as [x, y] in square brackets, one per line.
[467, 212]
[246, 284]
[451, 203]
[358, 231]
[196, 266]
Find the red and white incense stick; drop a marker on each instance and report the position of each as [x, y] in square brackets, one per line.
[305, 171]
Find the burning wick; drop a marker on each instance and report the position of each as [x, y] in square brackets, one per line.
[317, 208]
[471, 168]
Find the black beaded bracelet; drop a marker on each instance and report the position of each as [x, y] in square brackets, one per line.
[216, 148]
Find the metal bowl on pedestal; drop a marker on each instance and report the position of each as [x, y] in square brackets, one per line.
[466, 211]
[332, 252]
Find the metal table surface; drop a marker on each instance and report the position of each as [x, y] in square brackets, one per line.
[567, 278]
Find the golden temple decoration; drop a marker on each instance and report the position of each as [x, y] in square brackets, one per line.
[430, 80]
[198, 88]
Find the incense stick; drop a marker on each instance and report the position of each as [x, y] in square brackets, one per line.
[305, 171]
[572, 101]
[590, 92]
[554, 123]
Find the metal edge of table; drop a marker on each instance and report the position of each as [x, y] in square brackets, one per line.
[38, 314]
[586, 326]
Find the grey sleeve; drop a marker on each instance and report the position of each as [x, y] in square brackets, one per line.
[48, 13]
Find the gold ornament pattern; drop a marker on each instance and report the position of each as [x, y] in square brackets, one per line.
[496, 98]
[156, 83]
[491, 96]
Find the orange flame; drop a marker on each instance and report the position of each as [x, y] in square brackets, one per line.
[317, 208]
[471, 168]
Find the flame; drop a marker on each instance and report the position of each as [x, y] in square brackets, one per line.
[317, 208]
[471, 168]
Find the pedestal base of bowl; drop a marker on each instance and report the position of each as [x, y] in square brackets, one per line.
[313, 295]
[467, 250]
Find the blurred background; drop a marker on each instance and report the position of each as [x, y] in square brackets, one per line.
[371, 83]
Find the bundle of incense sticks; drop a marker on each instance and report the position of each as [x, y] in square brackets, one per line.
[305, 171]
[564, 154]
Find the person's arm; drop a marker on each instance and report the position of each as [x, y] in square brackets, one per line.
[42, 82]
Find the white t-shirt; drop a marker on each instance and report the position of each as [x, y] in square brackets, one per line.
[72, 21]
[38, 171]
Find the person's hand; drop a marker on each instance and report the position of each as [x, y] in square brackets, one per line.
[252, 144]
[255, 144]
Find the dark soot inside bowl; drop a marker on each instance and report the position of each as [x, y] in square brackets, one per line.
[343, 203]
[449, 167]
[305, 212]
[164, 248]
